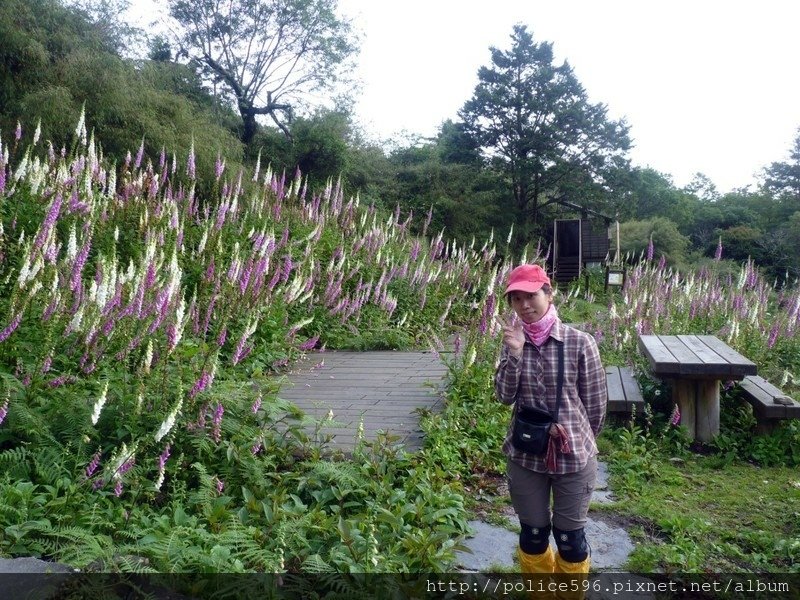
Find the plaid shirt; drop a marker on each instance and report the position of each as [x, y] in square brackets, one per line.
[532, 381]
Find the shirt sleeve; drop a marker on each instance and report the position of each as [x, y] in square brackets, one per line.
[507, 376]
[592, 384]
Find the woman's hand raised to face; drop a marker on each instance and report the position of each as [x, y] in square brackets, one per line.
[513, 337]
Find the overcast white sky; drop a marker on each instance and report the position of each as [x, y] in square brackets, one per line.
[707, 86]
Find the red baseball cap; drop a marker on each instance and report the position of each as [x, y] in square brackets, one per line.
[527, 278]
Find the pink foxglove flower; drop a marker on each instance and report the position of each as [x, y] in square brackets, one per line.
[93, 464]
[3, 411]
[190, 166]
[11, 327]
[162, 460]
[139, 155]
[675, 418]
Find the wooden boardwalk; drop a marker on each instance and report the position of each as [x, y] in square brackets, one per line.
[384, 389]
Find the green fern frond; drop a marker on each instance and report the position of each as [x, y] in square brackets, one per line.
[316, 564]
[14, 463]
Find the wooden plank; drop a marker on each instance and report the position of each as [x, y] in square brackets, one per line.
[662, 361]
[761, 394]
[741, 365]
[714, 364]
[691, 363]
[633, 395]
[616, 393]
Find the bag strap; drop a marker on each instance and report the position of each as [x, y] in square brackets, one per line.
[560, 384]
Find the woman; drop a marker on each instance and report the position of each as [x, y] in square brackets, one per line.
[528, 376]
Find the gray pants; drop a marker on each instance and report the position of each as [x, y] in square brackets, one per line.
[530, 495]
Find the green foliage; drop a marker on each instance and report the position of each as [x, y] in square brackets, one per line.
[667, 240]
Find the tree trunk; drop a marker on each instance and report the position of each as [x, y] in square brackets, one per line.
[250, 127]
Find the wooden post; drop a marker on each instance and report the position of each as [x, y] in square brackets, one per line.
[707, 416]
[684, 393]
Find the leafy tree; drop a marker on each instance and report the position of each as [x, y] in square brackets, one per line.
[534, 121]
[267, 54]
[635, 237]
[108, 21]
[742, 242]
[466, 199]
[702, 187]
[783, 178]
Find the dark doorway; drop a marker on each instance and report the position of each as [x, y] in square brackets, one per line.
[567, 256]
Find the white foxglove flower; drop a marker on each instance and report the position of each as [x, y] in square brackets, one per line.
[148, 358]
[72, 245]
[473, 353]
[98, 405]
[169, 422]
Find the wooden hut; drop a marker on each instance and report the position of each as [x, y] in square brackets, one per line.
[579, 243]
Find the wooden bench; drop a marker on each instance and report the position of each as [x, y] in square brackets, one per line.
[623, 390]
[770, 404]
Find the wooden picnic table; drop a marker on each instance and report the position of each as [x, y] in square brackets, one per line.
[696, 364]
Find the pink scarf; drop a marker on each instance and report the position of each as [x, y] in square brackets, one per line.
[538, 331]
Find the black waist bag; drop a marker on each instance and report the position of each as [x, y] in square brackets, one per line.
[530, 431]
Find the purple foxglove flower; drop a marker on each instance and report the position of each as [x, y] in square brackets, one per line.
[201, 384]
[61, 380]
[220, 485]
[309, 343]
[718, 253]
[428, 220]
[49, 221]
[216, 423]
[162, 460]
[126, 466]
[139, 155]
[98, 483]
[773, 336]
[675, 418]
[219, 167]
[3, 411]
[11, 327]
[223, 336]
[287, 268]
[190, 166]
[92, 466]
[118, 489]
[256, 448]
[256, 405]
[18, 132]
[209, 274]
[274, 281]
[650, 249]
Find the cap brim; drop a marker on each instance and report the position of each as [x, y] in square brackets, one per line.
[525, 286]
